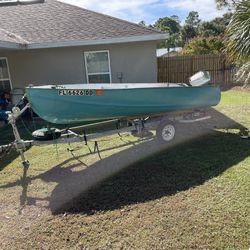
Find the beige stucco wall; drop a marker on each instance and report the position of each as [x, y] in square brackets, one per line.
[137, 62]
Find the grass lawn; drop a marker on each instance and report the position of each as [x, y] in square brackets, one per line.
[192, 195]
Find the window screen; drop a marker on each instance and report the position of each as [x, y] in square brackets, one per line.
[98, 67]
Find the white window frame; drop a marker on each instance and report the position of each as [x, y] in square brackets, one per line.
[97, 73]
[8, 69]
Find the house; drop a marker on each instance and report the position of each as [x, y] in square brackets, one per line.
[51, 42]
[168, 52]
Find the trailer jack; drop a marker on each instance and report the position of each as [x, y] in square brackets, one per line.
[19, 144]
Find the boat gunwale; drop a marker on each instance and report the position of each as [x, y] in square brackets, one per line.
[117, 86]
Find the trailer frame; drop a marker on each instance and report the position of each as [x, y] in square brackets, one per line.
[135, 125]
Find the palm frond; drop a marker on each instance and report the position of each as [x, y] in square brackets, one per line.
[243, 74]
[238, 32]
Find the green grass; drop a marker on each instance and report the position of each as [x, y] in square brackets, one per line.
[194, 195]
[235, 104]
[235, 98]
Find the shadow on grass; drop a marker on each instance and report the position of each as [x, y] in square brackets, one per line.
[166, 173]
[155, 170]
[25, 127]
[5, 160]
[6, 137]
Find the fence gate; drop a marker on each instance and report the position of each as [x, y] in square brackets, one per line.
[180, 68]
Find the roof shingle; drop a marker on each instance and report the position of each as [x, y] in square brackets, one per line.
[54, 21]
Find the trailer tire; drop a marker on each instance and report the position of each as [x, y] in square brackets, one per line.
[166, 131]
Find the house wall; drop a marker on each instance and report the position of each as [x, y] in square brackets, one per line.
[137, 62]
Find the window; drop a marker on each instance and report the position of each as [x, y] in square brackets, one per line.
[5, 83]
[97, 65]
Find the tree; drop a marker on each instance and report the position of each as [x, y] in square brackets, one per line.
[173, 41]
[227, 3]
[203, 46]
[168, 24]
[215, 27]
[243, 74]
[190, 29]
[172, 27]
[238, 45]
[224, 20]
[142, 23]
[238, 32]
[193, 19]
[188, 32]
[176, 18]
[211, 29]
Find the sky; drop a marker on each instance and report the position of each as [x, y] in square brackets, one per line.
[150, 10]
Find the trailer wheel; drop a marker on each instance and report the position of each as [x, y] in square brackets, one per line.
[166, 131]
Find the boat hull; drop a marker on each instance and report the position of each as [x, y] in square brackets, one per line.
[62, 107]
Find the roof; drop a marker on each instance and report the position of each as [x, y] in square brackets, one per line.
[56, 24]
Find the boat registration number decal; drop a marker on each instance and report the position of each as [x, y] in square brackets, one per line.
[76, 92]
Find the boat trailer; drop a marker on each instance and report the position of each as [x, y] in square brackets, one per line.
[165, 126]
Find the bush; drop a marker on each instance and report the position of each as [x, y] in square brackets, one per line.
[204, 45]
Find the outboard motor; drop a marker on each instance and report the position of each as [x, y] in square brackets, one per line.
[200, 79]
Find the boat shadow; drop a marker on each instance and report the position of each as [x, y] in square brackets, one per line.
[170, 171]
[5, 160]
[155, 170]
[144, 172]
[7, 137]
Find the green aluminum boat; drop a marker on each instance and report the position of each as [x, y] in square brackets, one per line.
[73, 103]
